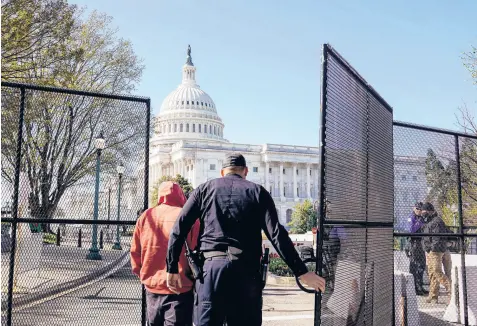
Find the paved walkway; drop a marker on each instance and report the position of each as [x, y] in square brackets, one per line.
[58, 266]
[116, 300]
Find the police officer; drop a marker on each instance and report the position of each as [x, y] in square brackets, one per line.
[232, 213]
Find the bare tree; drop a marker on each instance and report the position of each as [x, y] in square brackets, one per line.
[59, 129]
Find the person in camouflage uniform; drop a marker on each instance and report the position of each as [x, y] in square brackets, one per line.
[417, 257]
[435, 247]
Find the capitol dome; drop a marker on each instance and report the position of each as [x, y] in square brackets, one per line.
[188, 113]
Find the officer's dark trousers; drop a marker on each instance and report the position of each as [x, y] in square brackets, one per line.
[169, 309]
[230, 291]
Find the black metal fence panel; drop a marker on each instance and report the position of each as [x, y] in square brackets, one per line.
[74, 181]
[356, 197]
[434, 263]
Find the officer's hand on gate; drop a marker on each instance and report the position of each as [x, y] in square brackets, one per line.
[174, 282]
[314, 281]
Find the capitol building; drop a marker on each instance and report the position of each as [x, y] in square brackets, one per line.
[189, 140]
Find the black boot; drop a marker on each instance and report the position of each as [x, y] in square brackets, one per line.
[420, 289]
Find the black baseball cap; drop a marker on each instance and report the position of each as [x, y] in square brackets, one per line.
[418, 205]
[427, 207]
[235, 159]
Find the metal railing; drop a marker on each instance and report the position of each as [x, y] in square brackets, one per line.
[440, 167]
[58, 145]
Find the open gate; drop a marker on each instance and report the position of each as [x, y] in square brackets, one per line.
[355, 239]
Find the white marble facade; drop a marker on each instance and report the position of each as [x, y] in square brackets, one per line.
[188, 140]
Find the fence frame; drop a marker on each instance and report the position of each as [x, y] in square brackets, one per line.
[14, 220]
[322, 220]
[461, 228]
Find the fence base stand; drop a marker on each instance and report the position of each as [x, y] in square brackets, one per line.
[94, 255]
[117, 246]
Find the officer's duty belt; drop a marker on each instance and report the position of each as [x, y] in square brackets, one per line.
[232, 253]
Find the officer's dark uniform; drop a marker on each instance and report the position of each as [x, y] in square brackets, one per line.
[232, 213]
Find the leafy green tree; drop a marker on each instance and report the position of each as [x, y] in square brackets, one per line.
[470, 62]
[303, 218]
[183, 183]
[59, 129]
[442, 181]
[34, 36]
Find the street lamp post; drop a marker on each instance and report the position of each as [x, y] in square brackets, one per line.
[94, 254]
[120, 169]
[109, 202]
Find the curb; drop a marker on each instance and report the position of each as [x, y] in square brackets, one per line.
[281, 280]
[70, 286]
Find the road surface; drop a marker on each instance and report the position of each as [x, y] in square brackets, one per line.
[117, 301]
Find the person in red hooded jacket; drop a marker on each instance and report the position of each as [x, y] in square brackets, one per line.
[148, 259]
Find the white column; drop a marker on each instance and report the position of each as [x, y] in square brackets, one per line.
[295, 190]
[189, 164]
[281, 181]
[316, 177]
[194, 173]
[267, 176]
[308, 181]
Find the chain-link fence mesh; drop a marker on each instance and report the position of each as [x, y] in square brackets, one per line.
[72, 190]
[357, 188]
[434, 263]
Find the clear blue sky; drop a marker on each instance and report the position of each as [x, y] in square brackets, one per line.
[260, 60]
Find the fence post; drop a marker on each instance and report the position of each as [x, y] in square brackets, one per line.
[403, 301]
[79, 238]
[461, 230]
[16, 186]
[146, 193]
[101, 239]
[58, 237]
[457, 294]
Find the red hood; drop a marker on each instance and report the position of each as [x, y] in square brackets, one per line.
[171, 194]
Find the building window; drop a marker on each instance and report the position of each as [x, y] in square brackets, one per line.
[297, 191]
[212, 167]
[187, 127]
[170, 128]
[403, 178]
[202, 103]
[205, 129]
[255, 169]
[200, 128]
[210, 129]
[310, 172]
[288, 216]
[414, 178]
[284, 171]
[269, 170]
[192, 102]
[270, 190]
[284, 192]
[187, 102]
[297, 172]
[175, 127]
[405, 198]
[182, 102]
[181, 128]
[193, 127]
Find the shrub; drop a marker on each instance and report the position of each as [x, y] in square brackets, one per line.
[49, 238]
[278, 267]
